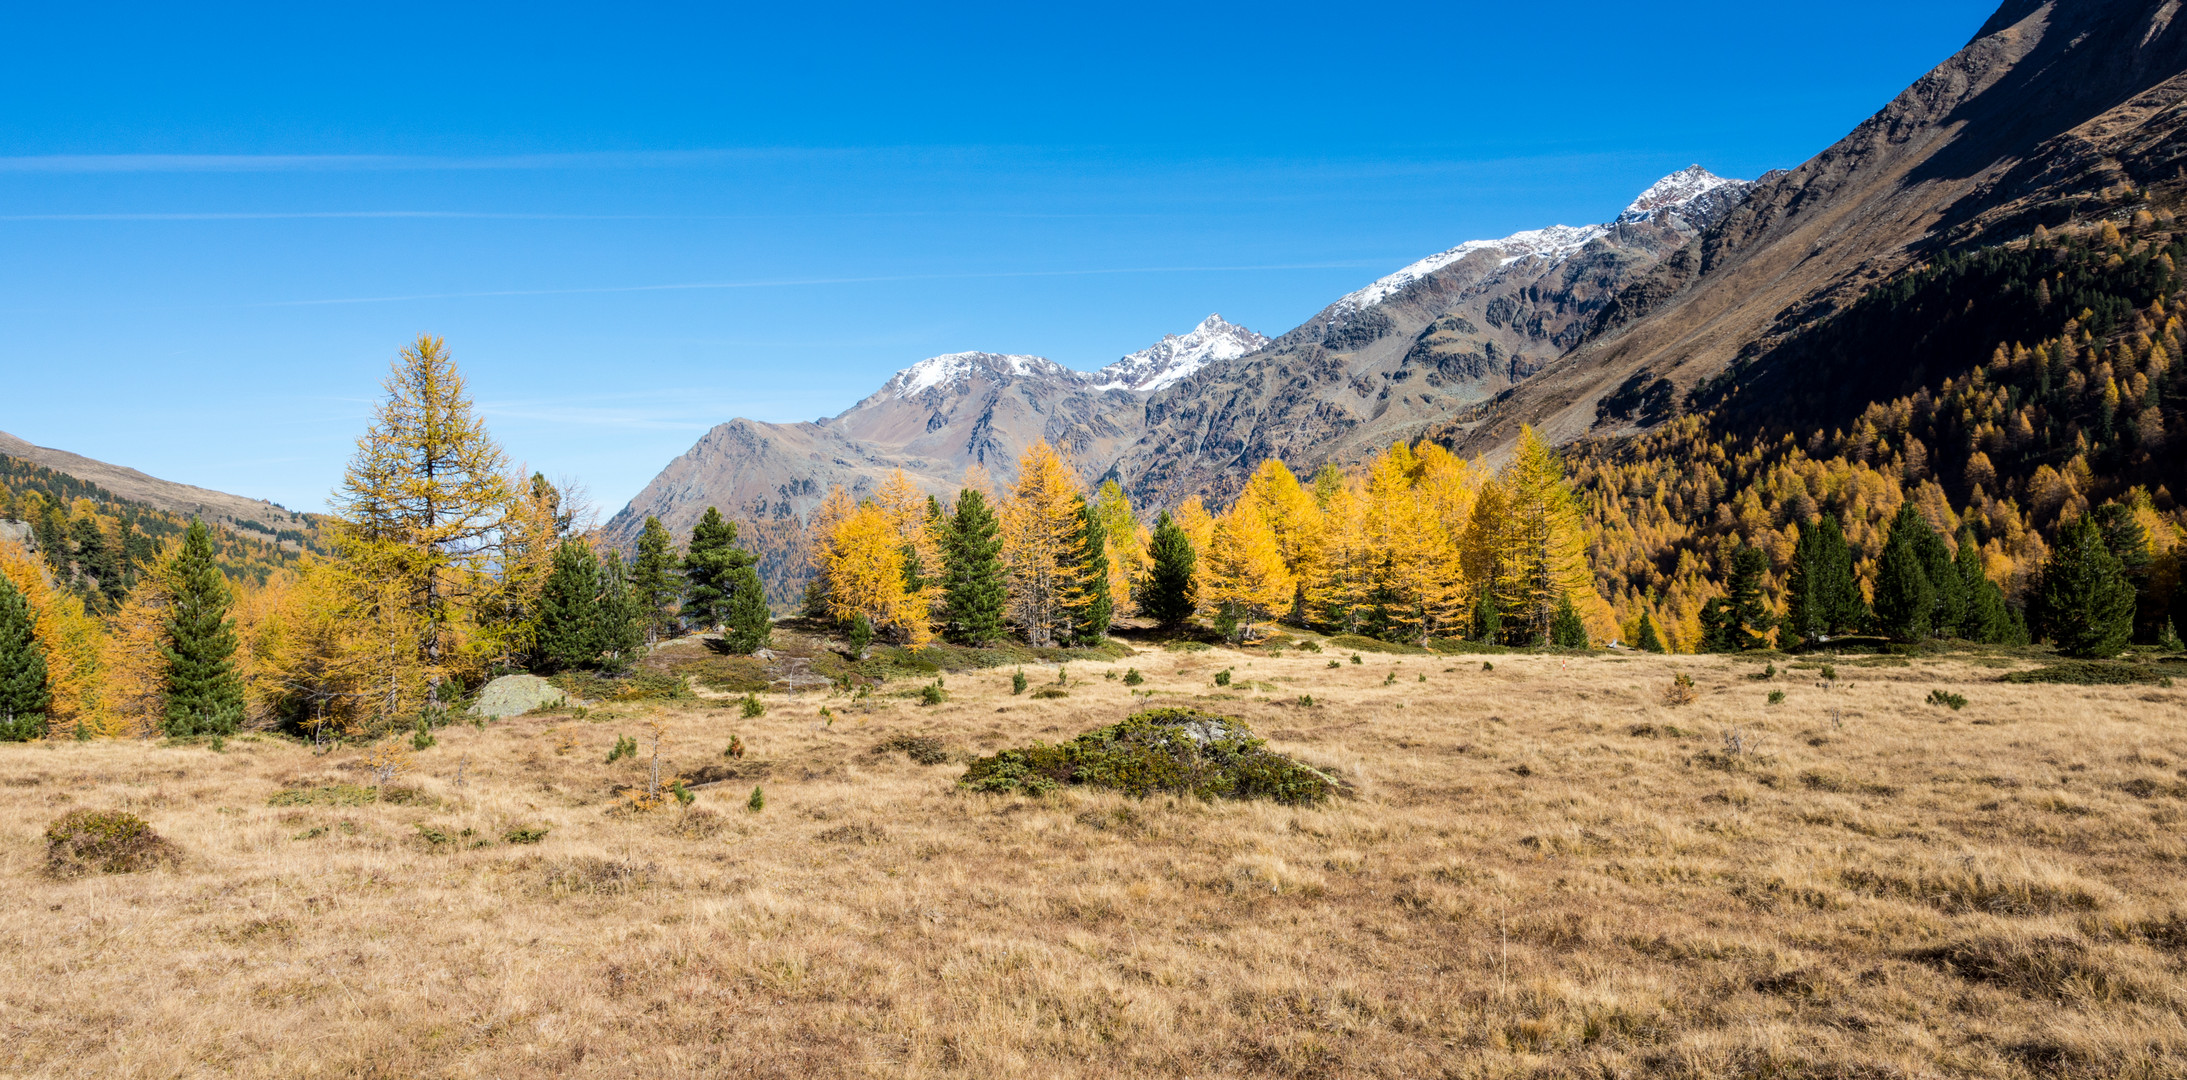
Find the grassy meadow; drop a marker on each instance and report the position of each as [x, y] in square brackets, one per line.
[1543, 869]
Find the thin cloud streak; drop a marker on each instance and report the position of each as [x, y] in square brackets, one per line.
[802, 282]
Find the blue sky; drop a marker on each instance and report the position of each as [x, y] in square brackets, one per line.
[218, 223]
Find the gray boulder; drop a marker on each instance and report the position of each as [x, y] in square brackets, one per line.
[515, 695]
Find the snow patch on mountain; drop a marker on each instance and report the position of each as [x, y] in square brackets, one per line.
[1176, 357]
[1554, 242]
[1686, 188]
[1687, 192]
[949, 369]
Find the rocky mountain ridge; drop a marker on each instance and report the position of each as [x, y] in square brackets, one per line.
[216, 507]
[1469, 321]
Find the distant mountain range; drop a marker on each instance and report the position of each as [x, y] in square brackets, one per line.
[1469, 321]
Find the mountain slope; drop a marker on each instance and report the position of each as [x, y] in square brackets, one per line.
[2053, 112]
[216, 507]
[1410, 349]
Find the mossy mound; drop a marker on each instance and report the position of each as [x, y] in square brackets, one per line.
[103, 841]
[1179, 751]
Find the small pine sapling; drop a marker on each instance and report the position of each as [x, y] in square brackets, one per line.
[757, 802]
[625, 747]
[735, 748]
[1133, 678]
[1222, 678]
[752, 707]
[1776, 697]
[1017, 682]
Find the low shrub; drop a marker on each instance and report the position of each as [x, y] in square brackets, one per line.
[751, 707]
[1133, 678]
[328, 795]
[933, 694]
[1179, 751]
[1949, 700]
[924, 749]
[1051, 692]
[105, 842]
[1362, 643]
[525, 834]
[2091, 673]
[1681, 691]
[1777, 697]
[641, 685]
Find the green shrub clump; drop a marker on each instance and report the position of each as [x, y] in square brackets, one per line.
[1179, 751]
[103, 841]
[1949, 700]
[1133, 678]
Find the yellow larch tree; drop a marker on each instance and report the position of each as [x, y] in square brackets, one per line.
[1340, 591]
[1541, 551]
[421, 507]
[1418, 584]
[1244, 576]
[1198, 524]
[1293, 518]
[73, 644]
[1044, 546]
[1126, 541]
[862, 556]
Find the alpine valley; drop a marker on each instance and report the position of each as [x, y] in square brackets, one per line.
[1795, 304]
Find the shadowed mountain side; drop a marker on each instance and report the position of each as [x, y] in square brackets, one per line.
[2048, 107]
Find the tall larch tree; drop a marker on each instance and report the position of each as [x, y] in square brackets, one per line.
[1542, 554]
[1340, 591]
[204, 689]
[862, 557]
[1124, 541]
[421, 509]
[1044, 546]
[1246, 579]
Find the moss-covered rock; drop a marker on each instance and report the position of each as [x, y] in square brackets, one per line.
[1180, 751]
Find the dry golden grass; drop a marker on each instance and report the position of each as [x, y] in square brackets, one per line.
[1547, 872]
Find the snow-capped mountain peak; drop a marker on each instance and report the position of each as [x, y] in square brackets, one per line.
[1554, 242]
[1680, 190]
[1691, 194]
[949, 369]
[1176, 357]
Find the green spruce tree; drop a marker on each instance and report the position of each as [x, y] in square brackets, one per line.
[748, 625]
[1747, 616]
[204, 691]
[2087, 601]
[1987, 619]
[1905, 600]
[1650, 639]
[2129, 543]
[622, 625]
[1567, 630]
[569, 633]
[972, 573]
[1090, 620]
[1822, 598]
[24, 696]
[710, 570]
[655, 581]
[1488, 618]
[1169, 596]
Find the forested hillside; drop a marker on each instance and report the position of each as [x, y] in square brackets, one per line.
[2008, 390]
